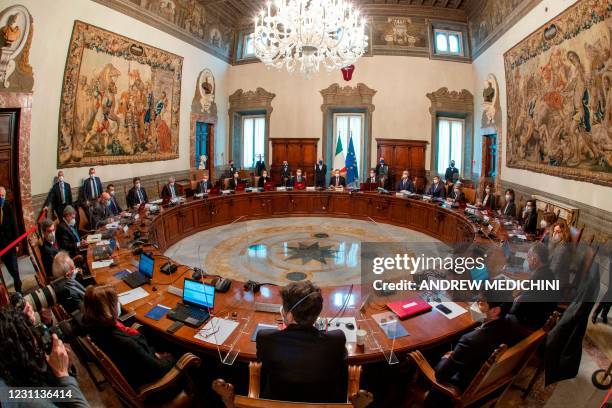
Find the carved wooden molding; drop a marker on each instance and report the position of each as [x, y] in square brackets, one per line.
[258, 99]
[451, 101]
[336, 95]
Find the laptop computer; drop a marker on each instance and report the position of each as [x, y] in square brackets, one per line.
[198, 299]
[143, 274]
[480, 274]
[512, 260]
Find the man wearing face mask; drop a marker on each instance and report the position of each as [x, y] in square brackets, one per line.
[530, 218]
[170, 191]
[452, 173]
[382, 172]
[59, 196]
[92, 186]
[263, 179]
[405, 184]
[115, 208]
[285, 173]
[320, 173]
[337, 181]
[204, 185]
[8, 233]
[530, 308]
[457, 195]
[235, 181]
[49, 247]
[137, 195]
[437, 189]
[69, 291]
[299, 181]
[260, 166]
[102, 213]
[67, 236]
[372, 179]
[301, 363]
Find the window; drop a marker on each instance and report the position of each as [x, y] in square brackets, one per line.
[345, 126]
[248, 49]
[448, 42]
[450, 143]
[253, 132]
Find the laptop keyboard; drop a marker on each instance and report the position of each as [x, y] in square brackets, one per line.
[182, 312]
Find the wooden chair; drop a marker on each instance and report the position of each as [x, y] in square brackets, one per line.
[83, 221]
[576, 234]
[356, 398]
[470, 195]
[225, 183]
[496, 374]
[37, 262]
[140, 398]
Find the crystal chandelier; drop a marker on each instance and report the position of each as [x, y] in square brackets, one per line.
[308, 33]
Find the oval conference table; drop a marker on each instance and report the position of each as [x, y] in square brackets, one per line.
[178, 222]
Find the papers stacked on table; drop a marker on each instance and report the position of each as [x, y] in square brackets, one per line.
[216, 331]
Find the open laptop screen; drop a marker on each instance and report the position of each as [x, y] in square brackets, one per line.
[198, 294]
[145, 266]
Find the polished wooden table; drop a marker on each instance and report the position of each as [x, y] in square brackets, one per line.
[178, 222]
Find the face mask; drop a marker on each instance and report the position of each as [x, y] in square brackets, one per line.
[172, 183]
[51, 236]
[299, 174]
[118, 308]
[61, 178]
[205, 180]
[487, 191]
[556, 238]
[112, 193]
[73, 275]
[372, 175]
[382, 162]
[72, 222]
[1, 201]
[137, 185]
[320, 161]
[92, 175]
[508, 197]
[543, 224]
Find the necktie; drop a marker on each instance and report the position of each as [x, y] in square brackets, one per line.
[172, 191]
[62, 192]
[337, 181]
[75, 233]
[94, 189]
[140, 199]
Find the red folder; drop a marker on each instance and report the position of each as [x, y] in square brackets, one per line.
[409, 307]
[268, 186]
[300, 185]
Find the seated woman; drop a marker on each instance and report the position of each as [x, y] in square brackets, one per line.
[546, 225]
[487, 201]
[529, 218]
[136, 359]
[561, 252]
[509, 207]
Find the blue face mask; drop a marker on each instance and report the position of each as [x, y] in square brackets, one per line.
[1, 201]
[320, 161]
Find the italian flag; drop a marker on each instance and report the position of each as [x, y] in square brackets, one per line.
[339, 161]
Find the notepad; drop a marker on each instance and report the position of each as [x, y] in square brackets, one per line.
[93, 238]
[157, 312]
[101, 264]
[216, 331]
[132, 296]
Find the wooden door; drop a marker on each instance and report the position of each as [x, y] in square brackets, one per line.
[9, 166]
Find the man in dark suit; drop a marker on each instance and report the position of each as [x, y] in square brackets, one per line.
[452, 173]
[301, 363]
[260, 166]
[320, 173]
[92, 186]
[405, 184]
[170, 190]
[137, 195]
[285, 172]
[8, 233]
[205, 185]
[263, 179]
[437, 189]
[337, 181]
[235, 181]
[59, 196]
[70, 292]
[67, 236]
[372, 179]
[530, 218]
[49, 247]
[115, 208]
[457, 194]
[299, 181]
[102, 213]
[232, 169]
[528, 308]
[382, 172]
[458, 367]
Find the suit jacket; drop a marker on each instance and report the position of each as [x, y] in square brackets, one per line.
[166, 192]
[132, 355]
[369, 180]
[438, 191]
[233, 183]
[232, 169]
[293, 180]
[115, 208]
[451, 174]
[530, 222]
[303, 364]
[509, 210]
[260, 166]
[406, 184]
[100, 214]
[132, 197]
[8, 226]
[528, 308]
[262, 180]
[488, 202]
[285, 172]
[70, 293]
[55, 198]
[88, 192]
[48, 252]
[320, 174]
[68, 238]
[472, 350]
[382, 170]
[332, 181]
[202, 187]
[459, 198]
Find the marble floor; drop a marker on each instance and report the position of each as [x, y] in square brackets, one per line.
[323, 250]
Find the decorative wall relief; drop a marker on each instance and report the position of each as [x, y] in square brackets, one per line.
[559, 94]
[120, 100]
[204, 98]
[491, 109]
[16, 30]
[399, 36]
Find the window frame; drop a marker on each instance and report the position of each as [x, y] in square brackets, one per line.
[362, 152]
[242, 120]
[460, 165]
[448, 33]
[244, 55]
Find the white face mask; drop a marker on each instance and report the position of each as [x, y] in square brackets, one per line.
[73, 275]
[112, 193]
[556, 238]
[61, 178]
[118, 308]
[92, 175]
[508, 197]
[543, 224]
[137, 185]
[487, 191]
[51, 236]
[72, 222]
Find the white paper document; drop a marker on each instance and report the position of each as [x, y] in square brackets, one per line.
[132, 295]
[101, 264]
[216, 331]
[455, 309]
[93, 238]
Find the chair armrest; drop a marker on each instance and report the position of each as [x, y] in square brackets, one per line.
[171, 376]
[254, 379]
[137, 326]
[361, 399]
[430, 375]
[225, 391]
[354, 375]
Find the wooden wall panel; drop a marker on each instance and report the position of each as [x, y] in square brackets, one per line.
[401, 154]
[299, 152]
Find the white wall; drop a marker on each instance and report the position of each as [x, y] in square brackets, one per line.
[401, 107]
[53, 22]
[492, 61]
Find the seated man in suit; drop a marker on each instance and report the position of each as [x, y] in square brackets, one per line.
[458, 367]
[337, 181]
[301, 363]
[170, 191]
[457, 194]
[68, 237]
[49, 247]
[437, 189]
[299, 181]
[115, 208]
[137, 195]
[529, 220]
[528, 308]
[59, 196]
[70, 292]
[405, 184]
[235, 181]
[102, 213]
[263, 179]
[372, 179]
[92, 186]
[205, 185]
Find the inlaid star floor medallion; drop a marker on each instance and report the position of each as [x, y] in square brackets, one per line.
[312, 252]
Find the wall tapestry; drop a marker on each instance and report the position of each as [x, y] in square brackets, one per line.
[399, 36]
[120, 100]
[559, 94]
